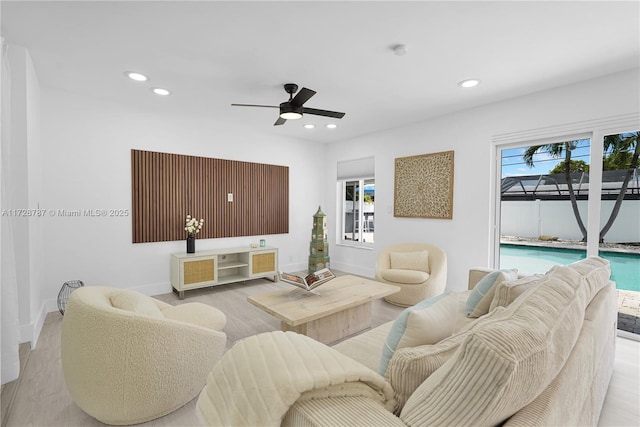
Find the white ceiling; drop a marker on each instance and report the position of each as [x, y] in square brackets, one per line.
[211, 54]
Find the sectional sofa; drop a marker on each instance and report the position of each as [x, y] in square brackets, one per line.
[534, 350]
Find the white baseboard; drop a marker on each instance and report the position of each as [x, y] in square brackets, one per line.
[354, 269]
[30, 332]
[154, 289]
[293, 268]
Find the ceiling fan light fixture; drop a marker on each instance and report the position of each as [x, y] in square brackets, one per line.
[136, 76]
[291, 115]
[469, 83]
[290, 112]
[160, 91]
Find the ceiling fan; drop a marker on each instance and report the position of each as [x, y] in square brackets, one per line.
[294, 109]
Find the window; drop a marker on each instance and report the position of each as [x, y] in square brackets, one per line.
[544, 197]
[356, 189]
[546, 217]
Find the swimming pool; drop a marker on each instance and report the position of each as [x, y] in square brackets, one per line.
[625, 267]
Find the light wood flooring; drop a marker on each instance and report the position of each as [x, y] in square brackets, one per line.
[42, 400]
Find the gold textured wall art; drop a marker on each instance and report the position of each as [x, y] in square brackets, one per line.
[423, 186]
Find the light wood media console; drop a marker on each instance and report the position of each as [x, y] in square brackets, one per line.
[222, 266]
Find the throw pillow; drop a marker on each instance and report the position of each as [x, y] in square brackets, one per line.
[197, 313]
[418, 260]
[507, 291]
[134, 302]
[410, 366]
[420, 324]
[480, 298]
[502, 366]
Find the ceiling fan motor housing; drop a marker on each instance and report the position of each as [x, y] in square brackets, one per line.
[290, 88]
[289, 111]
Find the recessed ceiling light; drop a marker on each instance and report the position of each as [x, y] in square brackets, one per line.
[469, 83]
[332, 126]
[160, 91]
[309, 126]
[136, 76]
[400, 50]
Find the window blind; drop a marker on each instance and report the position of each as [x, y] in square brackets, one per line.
[356, 169]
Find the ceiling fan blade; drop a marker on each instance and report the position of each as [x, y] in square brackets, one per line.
[325, 113]
[302, 97]
[254, 105]
[280, 121]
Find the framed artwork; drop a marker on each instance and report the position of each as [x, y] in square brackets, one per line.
[423, 186]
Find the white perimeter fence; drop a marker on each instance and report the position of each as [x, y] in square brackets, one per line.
[555, 218]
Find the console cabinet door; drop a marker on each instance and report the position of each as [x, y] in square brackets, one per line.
[198, 272]
[264, 263]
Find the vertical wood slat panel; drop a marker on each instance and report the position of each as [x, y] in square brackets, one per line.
[166, 187]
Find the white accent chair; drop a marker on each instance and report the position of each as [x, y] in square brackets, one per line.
[419, 269]
[128, 358]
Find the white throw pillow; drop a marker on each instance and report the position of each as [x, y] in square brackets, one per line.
[427, 322]
[480, 298]
[418, 260]
[134, 302]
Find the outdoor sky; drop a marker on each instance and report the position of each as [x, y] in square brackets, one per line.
[514, 165]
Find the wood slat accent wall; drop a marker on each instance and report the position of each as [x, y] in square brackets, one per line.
[166, 187]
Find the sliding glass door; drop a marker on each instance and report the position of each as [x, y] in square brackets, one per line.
[544, 204]
[619, 237]
[544, 215]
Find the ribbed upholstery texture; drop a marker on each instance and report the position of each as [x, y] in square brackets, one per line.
[366, 348]
[505, 364]
[576, 393]
[480, 298]
[352, 411]
[127, 365]
[410, 366]
[260, 377]
[427, 322]
[507, 291]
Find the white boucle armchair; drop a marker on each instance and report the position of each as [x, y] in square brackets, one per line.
[419, 269]
[128, 358]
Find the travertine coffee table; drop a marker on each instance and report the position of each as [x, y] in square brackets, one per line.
[334, 310]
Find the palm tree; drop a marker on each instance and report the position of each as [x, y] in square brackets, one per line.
[556, 150]
[620, 145]
[619, 148]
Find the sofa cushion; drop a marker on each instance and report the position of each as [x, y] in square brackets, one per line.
[197, 313]
[507, 291]
[134, 302]
[505, 364]
[595, 270]
[480, 298]
[427, 322]
[418, 260]
[404, 276]
[366, 347]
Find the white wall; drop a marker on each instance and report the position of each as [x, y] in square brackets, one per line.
[556, 218]
[465, 238]
[87, 145]
[24, 189]
[85, 148]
